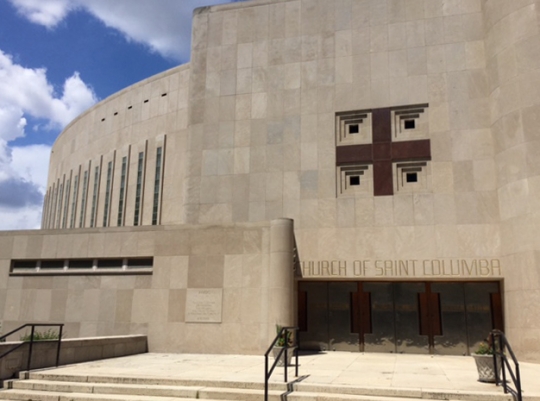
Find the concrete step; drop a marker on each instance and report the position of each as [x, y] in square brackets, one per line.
[45, 385]
[16, 395]
[45, 376]
[429, 394]
[34, 388]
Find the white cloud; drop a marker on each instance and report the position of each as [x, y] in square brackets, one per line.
[23, 170]
[164, 26]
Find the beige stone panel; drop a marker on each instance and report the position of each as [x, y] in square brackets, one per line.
[259, 105]
[257, 187]
[456, 59]
[418, 89]
[232, 271]
[309, 74]
[423, 209]
[308, 213]
[221, 213]
[309, 101]
[434, 31]
[380, 92]
[241, 160]
[18, 248]
[344, 70]
[311, 45]
[512, 165]
[443, 177]
[225, 161]
[415, 242]
[417, 61]
[416, 34]
[346, 212]
[403, 210]
[243, 81]
[326, 71]
[534, 193]
[481, 240]
[446, 241]
[475, 55]
[50, 246]
[379, 38]
[232, 305]
[343, 43]
[379, 65]
[144, 306]
[438, 89]
[274, 186]
[291, 185]
[177, 305]
[399, 93]
[384, 211]
[398, 63]
[485, 175]
[509, 131]
[365, 212]
[513, 199]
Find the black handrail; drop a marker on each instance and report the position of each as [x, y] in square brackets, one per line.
[500, 344]
[283, 333]
[31, 341]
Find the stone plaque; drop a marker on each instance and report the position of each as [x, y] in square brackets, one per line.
[203, 305]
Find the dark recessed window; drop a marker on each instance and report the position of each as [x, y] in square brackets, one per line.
[354, 180]
[24, 264]
[81, 264]
[163, 94]
[139, 263]
[116, 113]
[412, 177]
[354, 129]
[102, 119]
[410, 124]
[52, 264]
[130, 107]
[110, 263]
[146, 101]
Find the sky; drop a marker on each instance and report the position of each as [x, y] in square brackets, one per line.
[60, 57]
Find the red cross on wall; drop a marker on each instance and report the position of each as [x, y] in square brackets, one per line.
[383, 152]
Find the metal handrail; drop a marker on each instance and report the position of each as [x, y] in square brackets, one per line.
[499, 344]
[31, 341]
[283, 333]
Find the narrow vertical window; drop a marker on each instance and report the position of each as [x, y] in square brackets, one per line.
[59, 211]
[45, 211]
[83, 199]
[138, 192]
[121, 200]
[94, 197]
[66, 204]
[74, 202]
[107, 194]
[157, 187]
[54, 201]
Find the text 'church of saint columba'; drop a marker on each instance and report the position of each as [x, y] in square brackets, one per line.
[366, 170]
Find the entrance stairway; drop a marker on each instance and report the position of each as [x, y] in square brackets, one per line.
[47, 386]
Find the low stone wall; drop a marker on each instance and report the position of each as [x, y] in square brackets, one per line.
[72, 351]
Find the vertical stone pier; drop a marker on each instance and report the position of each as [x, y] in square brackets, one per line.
[281, 275]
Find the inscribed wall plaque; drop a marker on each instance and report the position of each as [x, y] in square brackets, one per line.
[203, 305]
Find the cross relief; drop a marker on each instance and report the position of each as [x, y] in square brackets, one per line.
[383, 153]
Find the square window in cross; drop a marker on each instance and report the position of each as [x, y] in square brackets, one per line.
[354, 129]
[354, 180]
[410, 124]
[412, 177]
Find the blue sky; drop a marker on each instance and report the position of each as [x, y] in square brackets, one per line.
[58, 58]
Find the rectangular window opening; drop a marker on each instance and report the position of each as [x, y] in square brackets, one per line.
[354, 180]
[410, 124]
[81, 264]
[354, 129]
[52, 264]
[412, 177]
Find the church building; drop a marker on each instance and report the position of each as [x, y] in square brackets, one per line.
[362, 169]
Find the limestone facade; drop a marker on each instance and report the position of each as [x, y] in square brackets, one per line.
[254, 128]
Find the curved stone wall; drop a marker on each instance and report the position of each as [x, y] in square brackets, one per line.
[513, 63]
[109, 166]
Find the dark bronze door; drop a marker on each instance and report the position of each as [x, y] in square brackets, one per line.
[326, 321]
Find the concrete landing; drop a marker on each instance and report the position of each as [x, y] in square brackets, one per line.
[452, 374]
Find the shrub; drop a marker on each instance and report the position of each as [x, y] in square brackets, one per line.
[48, 335]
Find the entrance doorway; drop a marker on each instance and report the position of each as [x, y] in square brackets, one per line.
[448, 318]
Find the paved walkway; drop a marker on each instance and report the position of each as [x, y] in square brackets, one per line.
[452, 373]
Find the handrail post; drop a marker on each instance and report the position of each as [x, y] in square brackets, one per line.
[59, 345]
[31, 346]
[266, 378]
[496, 349]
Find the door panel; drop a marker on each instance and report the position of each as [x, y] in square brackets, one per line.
[328, 316]
[407, 317]
[479, 313]
[382, 336]
[453, 339]
[340, 331]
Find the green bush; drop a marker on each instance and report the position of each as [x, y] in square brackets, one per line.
[41, 336]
